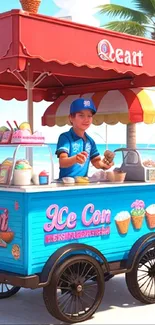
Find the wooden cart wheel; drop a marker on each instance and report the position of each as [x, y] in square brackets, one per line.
[76, 289]
[141, 280]
[7, 290]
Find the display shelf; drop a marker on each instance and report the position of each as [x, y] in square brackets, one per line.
[23, 144]
[27, 145]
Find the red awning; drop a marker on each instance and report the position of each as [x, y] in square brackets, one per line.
[61, 57]
[125, 106]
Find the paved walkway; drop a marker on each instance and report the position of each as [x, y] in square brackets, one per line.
[118, 307]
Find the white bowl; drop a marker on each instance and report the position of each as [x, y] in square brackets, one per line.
[68, 180]
[115, 176]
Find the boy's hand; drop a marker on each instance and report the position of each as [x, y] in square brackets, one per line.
[107, 165]
[81, 157]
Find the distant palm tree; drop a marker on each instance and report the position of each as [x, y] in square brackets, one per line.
[140, 22]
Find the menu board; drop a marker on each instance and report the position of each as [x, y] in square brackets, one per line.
[150, 174]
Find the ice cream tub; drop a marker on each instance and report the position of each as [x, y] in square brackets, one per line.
[22, 177]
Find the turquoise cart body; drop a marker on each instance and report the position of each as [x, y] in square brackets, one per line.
[43, 221]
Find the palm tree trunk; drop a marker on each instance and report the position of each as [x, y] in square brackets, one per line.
[153, 35]
[131, 136]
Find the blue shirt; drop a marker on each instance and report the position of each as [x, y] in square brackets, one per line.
[72, 144]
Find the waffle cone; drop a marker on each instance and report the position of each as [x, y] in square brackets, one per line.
[137, 221]
[123, 225]
[31, 6]
[150, 218]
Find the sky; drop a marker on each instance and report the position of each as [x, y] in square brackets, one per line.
[145, 134]
[49, 7]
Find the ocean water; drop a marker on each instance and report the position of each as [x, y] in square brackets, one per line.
[41, 155]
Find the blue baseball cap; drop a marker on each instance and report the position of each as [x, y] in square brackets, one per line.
[81, 104]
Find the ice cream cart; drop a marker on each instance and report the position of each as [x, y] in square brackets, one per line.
[71, 250]
[71, 239]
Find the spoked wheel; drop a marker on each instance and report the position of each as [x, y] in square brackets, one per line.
[141, 280]
[7, 290]
[75, 290]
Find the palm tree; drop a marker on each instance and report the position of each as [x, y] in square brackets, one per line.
[140, 22]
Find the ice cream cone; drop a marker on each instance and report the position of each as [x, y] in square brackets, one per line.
[137, 221]
[123, 225]
[150, 218]
[31, 6]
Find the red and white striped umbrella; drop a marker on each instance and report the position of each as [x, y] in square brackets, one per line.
[125, 106]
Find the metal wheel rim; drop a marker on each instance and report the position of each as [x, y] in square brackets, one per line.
[77, 289]
[5, 288]
[146, 274]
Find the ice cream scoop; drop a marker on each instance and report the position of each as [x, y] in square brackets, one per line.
[108, 156]
[25, 126]
[22, 164]
[7, 162]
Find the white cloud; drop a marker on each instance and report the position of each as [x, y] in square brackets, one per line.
[81, 11]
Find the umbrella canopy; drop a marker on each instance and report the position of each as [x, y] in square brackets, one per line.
[125, 106]
[43, 58]
[53, 57]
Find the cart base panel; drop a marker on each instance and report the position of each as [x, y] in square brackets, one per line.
[31, 282]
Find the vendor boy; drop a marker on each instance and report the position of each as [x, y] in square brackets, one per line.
[76, 148]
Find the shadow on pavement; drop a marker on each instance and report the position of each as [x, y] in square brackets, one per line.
[27, 306]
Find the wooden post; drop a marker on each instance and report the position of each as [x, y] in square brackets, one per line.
[29, 87]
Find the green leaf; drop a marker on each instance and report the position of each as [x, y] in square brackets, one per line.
[124, 13]
[129, 27]
[147, 6]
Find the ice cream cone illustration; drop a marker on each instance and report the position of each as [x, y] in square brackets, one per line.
[6, 235]
[137, 221]
[137, 213]
[122, 221]
[150, 216]
[16, 251]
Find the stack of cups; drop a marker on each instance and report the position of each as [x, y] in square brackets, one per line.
[44, 177]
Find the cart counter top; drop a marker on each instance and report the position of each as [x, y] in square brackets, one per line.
[53, 187]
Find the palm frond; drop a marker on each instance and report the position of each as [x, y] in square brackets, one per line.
[124, 13]
[147, 6]
[128, 27]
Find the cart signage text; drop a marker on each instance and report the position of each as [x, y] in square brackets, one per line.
[106, 52]
[63, 219]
